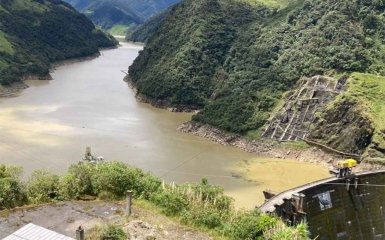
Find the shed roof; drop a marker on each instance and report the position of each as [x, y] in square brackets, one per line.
[34, 232]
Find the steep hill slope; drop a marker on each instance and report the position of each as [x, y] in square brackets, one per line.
[120, 15]
[235, 59]
[34, 34]
[143, 32]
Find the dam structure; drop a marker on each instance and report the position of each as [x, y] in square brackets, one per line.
[352, 207]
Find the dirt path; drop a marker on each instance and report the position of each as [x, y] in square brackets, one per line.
[65, 217]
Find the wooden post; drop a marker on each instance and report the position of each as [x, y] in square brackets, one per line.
[80, 233]
[129, 202]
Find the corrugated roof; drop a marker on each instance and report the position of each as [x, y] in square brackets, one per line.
[34, 232]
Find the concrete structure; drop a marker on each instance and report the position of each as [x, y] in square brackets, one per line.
[336, 208]
[34, 232]
[292, 122]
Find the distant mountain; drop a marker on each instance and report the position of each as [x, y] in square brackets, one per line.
[33, 34]
[120, 15]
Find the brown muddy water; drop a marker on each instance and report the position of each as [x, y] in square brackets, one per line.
[87, 104]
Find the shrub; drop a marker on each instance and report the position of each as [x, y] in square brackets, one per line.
[249, 225]
[80, 176]
[280, 231]
[116, 178]
[113, 232]
[42, 187]
[171, 203]
[12, 191]
[203, 216]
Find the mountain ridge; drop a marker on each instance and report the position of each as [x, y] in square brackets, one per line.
[31, 39]
[118, 16]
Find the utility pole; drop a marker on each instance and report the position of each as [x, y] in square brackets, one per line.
[129, 202]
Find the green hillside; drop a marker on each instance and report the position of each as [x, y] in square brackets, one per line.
[34, 34]
[234, 59]
[142, 33]
[118, 16]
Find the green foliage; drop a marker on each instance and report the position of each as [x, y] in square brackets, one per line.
[235, 59]
[170, 203]
[42, 187]
[119, 29]
[201, 205]
[12, 192]
[143, 32]
[177, 67]
[41, 32]
[112, 179]
[249, 226]
[208, 217]
[281, 232]
[116, 178]
[113, 232]
[112, 15]
[367, 92]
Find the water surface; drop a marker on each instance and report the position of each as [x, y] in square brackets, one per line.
[87, 104]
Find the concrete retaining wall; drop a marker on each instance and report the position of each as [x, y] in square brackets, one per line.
[348, 208]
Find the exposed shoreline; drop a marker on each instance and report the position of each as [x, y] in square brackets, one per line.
[15, 88]
[268, 149]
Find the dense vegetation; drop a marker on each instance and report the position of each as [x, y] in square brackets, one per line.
[34, 34]
[202, 205]
[143, 32]
[355, 120]
[234, 59]
[120, 15]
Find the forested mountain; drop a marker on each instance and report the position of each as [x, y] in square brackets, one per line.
[236, 59]
[143, 32]
[120, 15]
[34, 34]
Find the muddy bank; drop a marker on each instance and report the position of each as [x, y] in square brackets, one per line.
[14, 89]
[267, 149]
[163, 104]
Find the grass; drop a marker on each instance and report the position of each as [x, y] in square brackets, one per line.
[29, 5]
[273, 3]
[369, 89]
[155, 210]
[120, 29]
[5, 45]
[297, 145]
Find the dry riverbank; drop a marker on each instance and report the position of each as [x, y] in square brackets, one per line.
[268, 149]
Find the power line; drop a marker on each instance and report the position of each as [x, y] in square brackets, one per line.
[352, 183]
[184, 162]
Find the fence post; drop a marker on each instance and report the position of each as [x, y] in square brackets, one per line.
[80, 233]
[129, 202]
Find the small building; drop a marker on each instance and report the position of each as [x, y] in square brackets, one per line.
[34, 232]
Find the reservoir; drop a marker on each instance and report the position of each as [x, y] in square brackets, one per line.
[49, 125]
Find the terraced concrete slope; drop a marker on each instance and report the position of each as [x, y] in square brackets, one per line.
[235, 60]
[33, 34]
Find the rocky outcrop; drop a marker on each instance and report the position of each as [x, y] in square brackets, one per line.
[343, 126]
